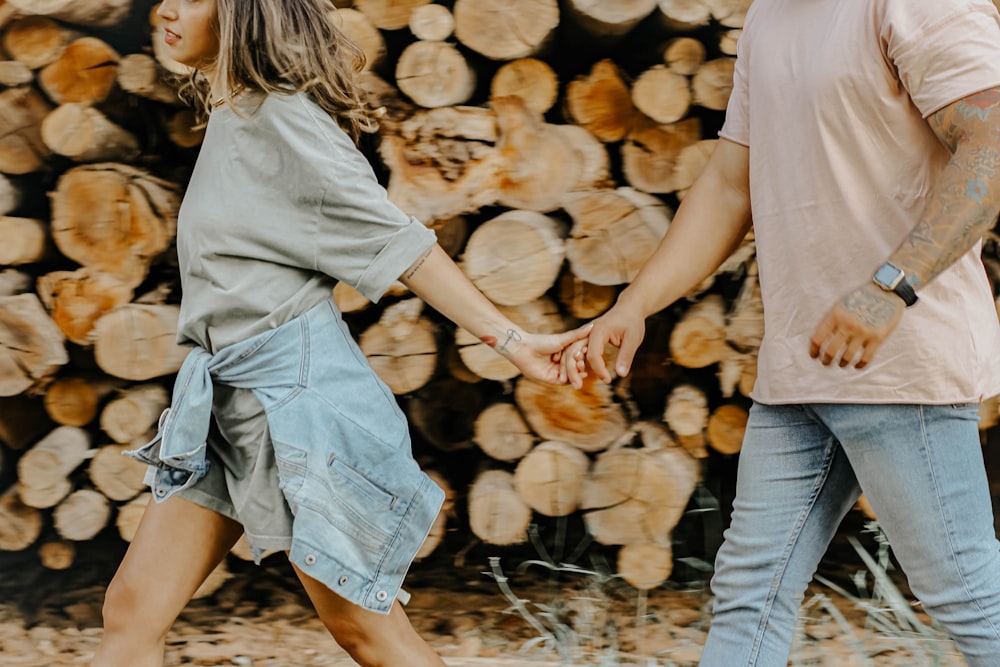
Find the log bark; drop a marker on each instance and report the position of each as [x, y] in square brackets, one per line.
[401, 347]
[443, 162]
[585, 300]
[23, 421]
[515, 257]
[691, 162]
[645, 565]
[610, 18]
[687, 411]
[729, 13]
[84, 134]
[131, 414]
[31, 346]
[389, 14]
[81, 515]
[434, 23]
[651, 153]
[53, 457]
[13, 282]
[15, 73]
[506, 29]
[684, 14]
[99, 13]
[26, 241]
[713, 83]
[36, 41]
[539, 165]
[637, 495]
[115, 475]
[684, 55]
[497, 514]
[10, 196]
[589, 418]
[20, 525]
[550, 478]
[502, 433]
[435, 74]
[138, 342]
[360, 29]
[73, 400]
[140, 74]
[22, 150]
[661, 94]
[533, 80]
[86, 72]
[184, 130]
[601, 102]
[699, 338]
[76, 300]
[614, 233]
[114, 218]
[58, 555]
[443, 413]
[726, 427]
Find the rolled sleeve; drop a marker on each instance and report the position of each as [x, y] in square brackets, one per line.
[360, 237]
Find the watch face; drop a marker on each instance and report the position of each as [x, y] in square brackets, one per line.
[887, 276]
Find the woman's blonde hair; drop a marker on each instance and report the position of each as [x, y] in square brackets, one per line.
[287, 46]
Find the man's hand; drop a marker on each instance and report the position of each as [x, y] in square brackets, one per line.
[624, 326]
[856, 326]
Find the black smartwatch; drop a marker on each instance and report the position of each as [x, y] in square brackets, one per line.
[893, 279]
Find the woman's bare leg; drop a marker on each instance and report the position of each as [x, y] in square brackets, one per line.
[373, 640]
[177, 545]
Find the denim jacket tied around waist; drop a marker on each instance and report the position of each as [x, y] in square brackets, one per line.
[362, 507]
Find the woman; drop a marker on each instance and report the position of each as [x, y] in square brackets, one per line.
[278, 427]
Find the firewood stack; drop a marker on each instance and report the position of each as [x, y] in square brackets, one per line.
[547, 143]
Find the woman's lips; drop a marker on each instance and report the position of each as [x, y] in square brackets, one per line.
[170, 38]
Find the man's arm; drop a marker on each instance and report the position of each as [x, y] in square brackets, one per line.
[710, 223]
[962, 208]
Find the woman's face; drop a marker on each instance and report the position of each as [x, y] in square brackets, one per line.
[190, 31]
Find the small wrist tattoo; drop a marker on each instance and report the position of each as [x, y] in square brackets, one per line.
[512, 335]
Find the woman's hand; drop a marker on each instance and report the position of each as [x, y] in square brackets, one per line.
[539, 356]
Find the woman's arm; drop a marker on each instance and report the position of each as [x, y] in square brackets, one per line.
[436, 279]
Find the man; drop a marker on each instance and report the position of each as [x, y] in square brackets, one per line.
[863, 138]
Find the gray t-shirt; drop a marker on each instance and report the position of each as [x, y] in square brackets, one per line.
[280, 206]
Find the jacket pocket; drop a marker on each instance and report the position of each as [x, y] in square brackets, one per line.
[345, 478]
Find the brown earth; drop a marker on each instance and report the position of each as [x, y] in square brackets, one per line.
[260, 618]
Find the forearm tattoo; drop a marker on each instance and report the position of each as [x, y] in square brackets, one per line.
[512, 335]
[965, 203]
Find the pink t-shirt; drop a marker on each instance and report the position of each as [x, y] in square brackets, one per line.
[831, 97]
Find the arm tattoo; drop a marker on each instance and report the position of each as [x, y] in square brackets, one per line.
[873, 311]
[416, 267]
[966, 200]
[512, 335]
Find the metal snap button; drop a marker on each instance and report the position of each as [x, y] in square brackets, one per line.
[381, 596]
[311, 559]
[343, 580]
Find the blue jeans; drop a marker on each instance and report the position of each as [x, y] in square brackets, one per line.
[801, 470]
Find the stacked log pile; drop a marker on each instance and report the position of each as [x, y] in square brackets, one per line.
[547, 143]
